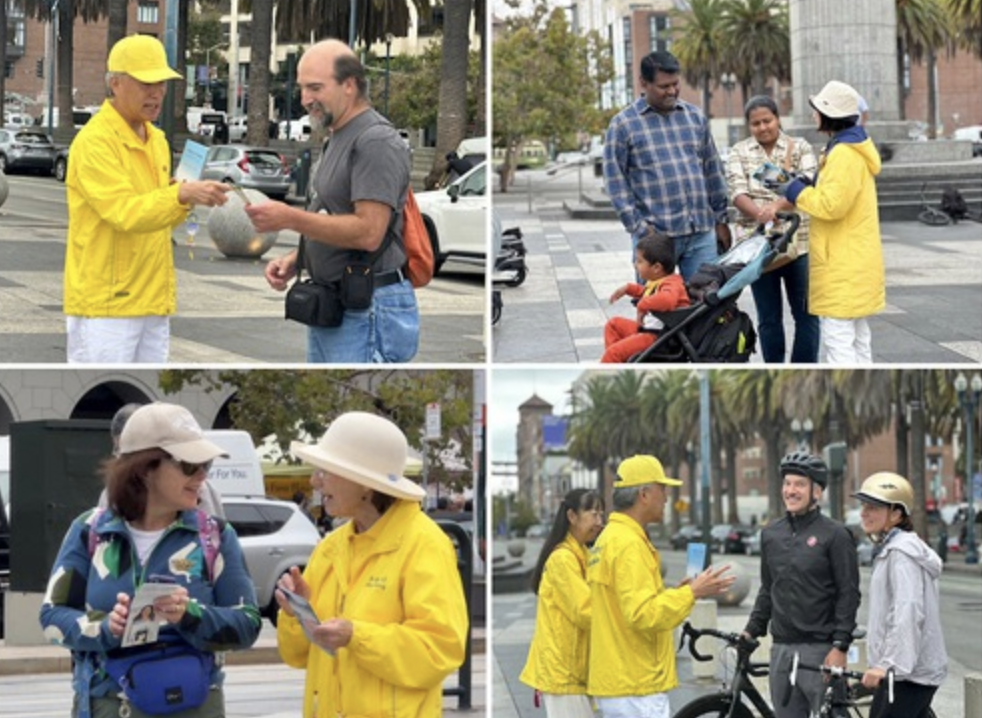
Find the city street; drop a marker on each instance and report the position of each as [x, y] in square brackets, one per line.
[934, 281]
[226, 311]
[514, 622]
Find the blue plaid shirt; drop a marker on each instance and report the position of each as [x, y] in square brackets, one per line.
[664, 171]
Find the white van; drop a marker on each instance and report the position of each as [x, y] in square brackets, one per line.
[241, 474]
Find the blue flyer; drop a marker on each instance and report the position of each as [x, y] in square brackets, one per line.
[696, 559]
[192, 162]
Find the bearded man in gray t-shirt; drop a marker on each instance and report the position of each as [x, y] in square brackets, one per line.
[354, 214]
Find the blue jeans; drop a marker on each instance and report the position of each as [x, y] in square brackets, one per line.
[691, 250]
[770, 314]
[386, 332]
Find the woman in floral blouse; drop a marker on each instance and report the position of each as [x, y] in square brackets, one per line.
[769, 143]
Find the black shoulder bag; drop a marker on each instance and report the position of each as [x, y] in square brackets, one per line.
[313, 304]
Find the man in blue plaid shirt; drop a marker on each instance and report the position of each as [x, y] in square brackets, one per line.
[662, 169]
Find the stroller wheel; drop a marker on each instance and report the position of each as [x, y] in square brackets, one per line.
[519, 277]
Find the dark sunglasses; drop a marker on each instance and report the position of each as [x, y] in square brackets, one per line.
[189, 469]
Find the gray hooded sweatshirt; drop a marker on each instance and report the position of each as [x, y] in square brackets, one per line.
[904, 617]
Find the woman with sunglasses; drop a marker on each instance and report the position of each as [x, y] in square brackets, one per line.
[557, 660]
[152, 532]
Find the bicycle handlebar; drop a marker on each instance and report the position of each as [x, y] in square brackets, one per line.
[836, 672]
[735, 640]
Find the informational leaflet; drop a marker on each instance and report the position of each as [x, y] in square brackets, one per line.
[695, 559]
[192, 162]
[305, 614]
[143, 625]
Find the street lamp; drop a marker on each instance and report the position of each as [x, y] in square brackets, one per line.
[802, 431]
[388, 56]
[969, 401]
[728, 82]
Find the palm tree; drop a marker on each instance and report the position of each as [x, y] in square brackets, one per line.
[589, 430]
[659, 395]
[697, 41]
[757, 41]
[452, 116]
[967, 15]
[922, 27]
[117, 13]
[262, 40]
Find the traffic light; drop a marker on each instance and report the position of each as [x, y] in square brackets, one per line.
[39, 69]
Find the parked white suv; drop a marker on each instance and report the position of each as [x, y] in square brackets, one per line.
[275, 535]
[456, 218]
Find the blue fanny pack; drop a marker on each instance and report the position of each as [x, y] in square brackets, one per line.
[164, 678]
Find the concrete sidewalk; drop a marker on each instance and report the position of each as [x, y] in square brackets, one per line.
[934, 283]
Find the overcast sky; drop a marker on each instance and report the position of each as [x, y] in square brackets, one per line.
[513, 387]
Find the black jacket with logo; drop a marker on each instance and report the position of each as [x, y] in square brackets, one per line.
[809, 581]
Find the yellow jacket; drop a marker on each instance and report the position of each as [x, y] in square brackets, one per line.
[121, 210]
[399, 585]
[558, 655]
[631, 651]
[846, 276]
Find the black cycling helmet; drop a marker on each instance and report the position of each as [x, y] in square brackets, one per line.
[804, 464]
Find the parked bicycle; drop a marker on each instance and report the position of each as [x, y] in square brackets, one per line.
[931, 216]
[840, 700]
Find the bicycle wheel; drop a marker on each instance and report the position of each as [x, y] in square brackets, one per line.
[933, 218]
[717, 706]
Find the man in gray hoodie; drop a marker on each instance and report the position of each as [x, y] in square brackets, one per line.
[904, 636]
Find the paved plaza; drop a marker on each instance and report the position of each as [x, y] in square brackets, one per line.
[934, 282]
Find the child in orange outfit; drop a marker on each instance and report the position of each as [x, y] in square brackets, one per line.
[654, 260]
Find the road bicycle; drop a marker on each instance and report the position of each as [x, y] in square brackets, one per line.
[840, 700]
[931, 216]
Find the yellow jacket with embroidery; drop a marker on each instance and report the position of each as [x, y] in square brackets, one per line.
[399, 585]
[557, 659]
[121, 210]
[631, 651]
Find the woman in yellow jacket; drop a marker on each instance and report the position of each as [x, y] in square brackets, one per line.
[557, 660]
[847, 279]
[391, 616]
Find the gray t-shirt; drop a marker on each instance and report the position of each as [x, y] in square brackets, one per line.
[364, 160]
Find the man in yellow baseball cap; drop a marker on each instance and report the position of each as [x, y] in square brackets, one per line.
[120, 286]
[632, 664]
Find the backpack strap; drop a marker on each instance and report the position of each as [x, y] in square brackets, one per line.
[93, 539]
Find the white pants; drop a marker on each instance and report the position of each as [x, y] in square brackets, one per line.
[847, 341]
[118, 340]
[567, 706]
[652, 706]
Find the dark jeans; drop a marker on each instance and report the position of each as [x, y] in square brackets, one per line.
[770, 314]
[910, 700]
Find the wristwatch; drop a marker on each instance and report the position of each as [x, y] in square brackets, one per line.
[841, 646]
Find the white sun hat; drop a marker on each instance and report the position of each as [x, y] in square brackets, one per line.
[836, 100]
[366, 449]
[169, 427]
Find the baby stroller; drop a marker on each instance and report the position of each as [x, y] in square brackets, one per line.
[713, 329]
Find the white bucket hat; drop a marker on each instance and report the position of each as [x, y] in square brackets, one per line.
[836, 100]
[169, 427]
[366, 449]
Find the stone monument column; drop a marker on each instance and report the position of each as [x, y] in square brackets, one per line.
[854, 41]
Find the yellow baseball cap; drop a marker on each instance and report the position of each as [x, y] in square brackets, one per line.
[143, 58]
[642, 469]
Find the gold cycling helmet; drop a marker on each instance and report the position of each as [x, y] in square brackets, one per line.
[887, 489]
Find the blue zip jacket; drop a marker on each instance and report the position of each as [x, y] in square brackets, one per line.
[221, 616]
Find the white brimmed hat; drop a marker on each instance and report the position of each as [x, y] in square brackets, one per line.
[169, 427]
[366, 449]
[836, 100]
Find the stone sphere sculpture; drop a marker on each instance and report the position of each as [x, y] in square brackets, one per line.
[231, 229]
[740, 588]
[4, 188]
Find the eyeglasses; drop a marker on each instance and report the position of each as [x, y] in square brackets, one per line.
[189, 469]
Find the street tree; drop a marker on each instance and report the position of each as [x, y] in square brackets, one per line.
[415, 81]
[546, 81]
[757, 42]
[257, 121]
[697, 41]
[966, 17]
[922, 28]
[300, 404]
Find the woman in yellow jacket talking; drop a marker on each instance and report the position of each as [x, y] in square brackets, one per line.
[391, 619]
[557, 660]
